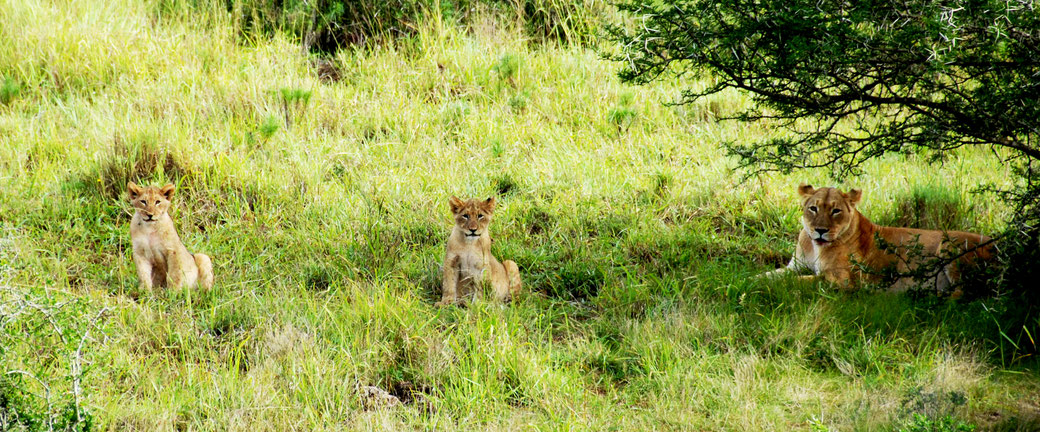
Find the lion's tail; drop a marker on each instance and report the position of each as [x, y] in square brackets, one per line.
[205, 266]
[513, 274]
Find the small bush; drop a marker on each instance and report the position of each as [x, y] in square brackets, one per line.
[45, 330]
[922, 423]
[506, 68]
[9, 90]
[294, 103]
[268, 128]
[497, 148]
[518, 102]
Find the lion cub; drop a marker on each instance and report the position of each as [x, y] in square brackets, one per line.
[468, 262]
[835, 234]
[158, 252]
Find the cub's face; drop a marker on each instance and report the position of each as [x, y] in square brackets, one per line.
[827, 212]
[472, 217]
[150, 201]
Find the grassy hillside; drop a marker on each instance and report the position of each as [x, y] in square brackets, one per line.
[323, 203]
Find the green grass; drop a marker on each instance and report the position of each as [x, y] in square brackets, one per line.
[324, 207]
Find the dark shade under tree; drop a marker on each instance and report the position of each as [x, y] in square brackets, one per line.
[849, 81]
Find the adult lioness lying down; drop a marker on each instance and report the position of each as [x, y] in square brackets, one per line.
[835, 236]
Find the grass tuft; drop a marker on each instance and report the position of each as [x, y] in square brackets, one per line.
[138, 159]
[929, 207]
[9, 90]
[576, 281]
[504, 184]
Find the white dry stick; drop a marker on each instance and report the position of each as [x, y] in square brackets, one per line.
[77, 370]
[48, 315]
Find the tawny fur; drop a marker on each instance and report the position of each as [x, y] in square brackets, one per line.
[835, 234]
[161, 259]
[468, 263]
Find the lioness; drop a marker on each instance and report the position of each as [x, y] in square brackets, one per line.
[158, 251]
[468, 262]
[835, 235]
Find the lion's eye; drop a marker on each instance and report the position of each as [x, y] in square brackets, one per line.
[142, 202]
[157, 203]
[466, 217]
[835, 211]
[480, 216]
[813, 209]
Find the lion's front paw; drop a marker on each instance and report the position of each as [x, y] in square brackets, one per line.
[444, 302]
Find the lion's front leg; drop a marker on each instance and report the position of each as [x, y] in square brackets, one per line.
[176, 273]
[144, 273]
[842, 278]
[450, 283]
[159, 276]
[499, 283]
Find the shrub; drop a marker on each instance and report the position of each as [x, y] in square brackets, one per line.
[9, 90]
[922, 423]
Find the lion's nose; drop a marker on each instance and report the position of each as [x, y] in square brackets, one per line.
[472, 230]
[822, 231]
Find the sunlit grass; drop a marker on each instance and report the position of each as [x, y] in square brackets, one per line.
[326, 232]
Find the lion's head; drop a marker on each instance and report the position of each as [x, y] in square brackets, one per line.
[151, 201]
[472, 217]
[827, 212]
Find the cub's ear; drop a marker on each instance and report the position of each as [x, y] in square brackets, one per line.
[854, 195]
[167, 191]
[489, 204]
[133, 190]
[456, 204]
[805, 190]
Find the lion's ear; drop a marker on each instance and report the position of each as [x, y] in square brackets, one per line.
[854, 195]
[167, 191]
[133, 190]
[455, 203]
[489, 204]
[805, 190]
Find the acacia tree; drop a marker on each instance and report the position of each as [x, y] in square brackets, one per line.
[855, 80]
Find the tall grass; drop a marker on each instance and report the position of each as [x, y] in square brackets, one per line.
[325, 27]
[634, 239]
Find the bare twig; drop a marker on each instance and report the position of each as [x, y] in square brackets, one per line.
[77, 369]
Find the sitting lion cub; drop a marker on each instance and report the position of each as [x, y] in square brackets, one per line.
[835, 235]
[468, 262]
[158, 251]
